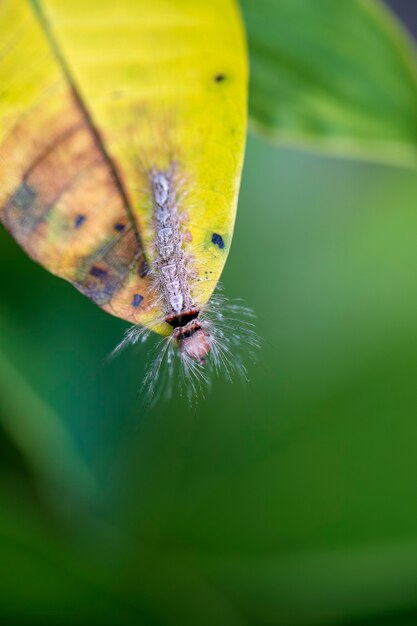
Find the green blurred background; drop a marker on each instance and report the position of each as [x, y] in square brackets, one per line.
[289, 500]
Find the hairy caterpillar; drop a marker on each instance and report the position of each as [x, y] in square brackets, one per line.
[88, 91]
[204, 338]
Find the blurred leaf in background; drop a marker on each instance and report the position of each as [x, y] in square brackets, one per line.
[335, 76]
[289, 501]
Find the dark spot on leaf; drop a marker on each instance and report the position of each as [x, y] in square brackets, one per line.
[98, 272]
[144, 269]
[23, 212]
[24, 197]
[79, 221]
[217, 240]
[119, 227]
[219, 78]
[137, 300]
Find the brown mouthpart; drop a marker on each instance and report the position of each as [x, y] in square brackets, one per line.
[194, 341]
[177, 320]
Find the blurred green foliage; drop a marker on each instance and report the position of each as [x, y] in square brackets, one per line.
[287, 501]
[335, 76]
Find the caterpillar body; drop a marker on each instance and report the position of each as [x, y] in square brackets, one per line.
[215, 337]
[174, 276]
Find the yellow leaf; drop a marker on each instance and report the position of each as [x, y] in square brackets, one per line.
[59, 195]
[95, 97]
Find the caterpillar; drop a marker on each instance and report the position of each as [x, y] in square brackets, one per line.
[217, 336]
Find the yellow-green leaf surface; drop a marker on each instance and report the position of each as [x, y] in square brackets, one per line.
[93, 96]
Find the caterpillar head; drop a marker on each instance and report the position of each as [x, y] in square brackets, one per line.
[193, 340]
